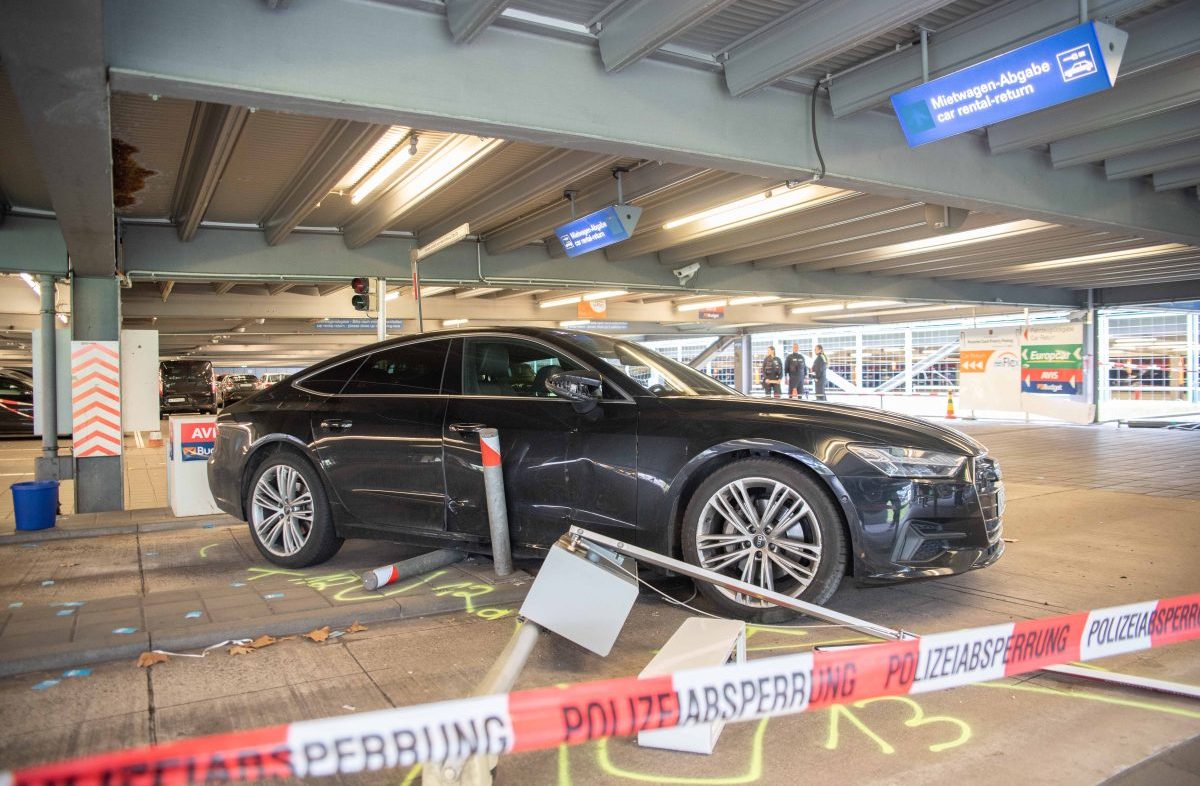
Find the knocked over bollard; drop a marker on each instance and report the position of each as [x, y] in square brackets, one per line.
[389, 574]
[493, 486]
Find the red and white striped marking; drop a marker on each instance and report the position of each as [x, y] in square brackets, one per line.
[489, 448]
[548, 717]
[96, 398]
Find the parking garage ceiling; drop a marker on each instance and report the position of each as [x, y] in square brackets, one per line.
[255, 180]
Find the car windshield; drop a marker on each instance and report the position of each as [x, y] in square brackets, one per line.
[660, 375]
[178, 371]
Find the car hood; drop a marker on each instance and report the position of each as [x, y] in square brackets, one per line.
[868, 424]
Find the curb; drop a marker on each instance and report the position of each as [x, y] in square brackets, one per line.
[67, 656]
[168, 525]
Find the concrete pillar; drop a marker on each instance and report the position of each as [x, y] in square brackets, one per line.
[47, 396]
[96, 316]
[381, 302]
[745, 364]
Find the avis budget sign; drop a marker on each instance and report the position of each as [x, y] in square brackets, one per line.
[1052, 359]
[197, 440]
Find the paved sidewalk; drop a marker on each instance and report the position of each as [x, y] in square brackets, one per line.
[76, 601]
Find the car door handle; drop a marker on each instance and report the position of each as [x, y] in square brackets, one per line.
[468, 428]
[336, 424]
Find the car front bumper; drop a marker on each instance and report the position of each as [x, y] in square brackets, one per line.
[925, 528]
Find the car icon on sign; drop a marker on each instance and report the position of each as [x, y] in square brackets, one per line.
[1079, 68]
[1076, 62]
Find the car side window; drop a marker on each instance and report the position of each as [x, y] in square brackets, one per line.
[329, 381]
[408, 369]
[495, 366]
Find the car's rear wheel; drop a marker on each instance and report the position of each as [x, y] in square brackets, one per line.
[289, 514]
[765, 522]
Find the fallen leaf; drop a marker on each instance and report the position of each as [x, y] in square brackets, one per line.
[1011, 540]
[148, 659]
[357, 627]
[240, 650]
[263, 641]
[68, 564]
[320, 634]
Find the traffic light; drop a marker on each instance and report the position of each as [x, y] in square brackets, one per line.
[362, 294]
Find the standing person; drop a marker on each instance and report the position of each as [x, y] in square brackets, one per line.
[772, 373]
[797, 369]
[819, 367]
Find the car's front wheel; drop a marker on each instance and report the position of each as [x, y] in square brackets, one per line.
[767, 523]
[289, 514]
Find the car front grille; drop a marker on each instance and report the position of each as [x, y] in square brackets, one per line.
[988, 488]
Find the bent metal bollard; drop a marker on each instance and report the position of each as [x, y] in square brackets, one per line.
[390, 574]
[497, 507]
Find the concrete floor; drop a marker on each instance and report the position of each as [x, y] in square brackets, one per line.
[1083, 535]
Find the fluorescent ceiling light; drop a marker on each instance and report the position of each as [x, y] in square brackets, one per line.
[757, 207]
[382, 173]
[912, 310]
[701, 305]
[430, 291]
[1108, 256]
[873, 303]
[388, 142]
[477, 292]
[566, 300]
[33, 284]
[573, 323]
[454, 322]
[395, 293]
[746, 300]
[62, 317]
[590, 296]
[966, 237]
[818, 309]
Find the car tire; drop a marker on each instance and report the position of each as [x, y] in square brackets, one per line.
[288, 513]
[794, 534]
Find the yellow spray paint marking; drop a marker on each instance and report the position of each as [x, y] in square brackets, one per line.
[204, 550]
[411, 776]
[751, 775]
[1149, 706]
[918, 719]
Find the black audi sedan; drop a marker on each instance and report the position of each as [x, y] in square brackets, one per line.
[382, 443]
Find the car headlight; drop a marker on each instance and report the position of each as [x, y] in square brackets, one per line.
[909, 462]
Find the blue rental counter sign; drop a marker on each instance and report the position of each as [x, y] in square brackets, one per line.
[602, 228]
[1068, 65]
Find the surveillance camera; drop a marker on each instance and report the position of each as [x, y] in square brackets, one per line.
[685, 273]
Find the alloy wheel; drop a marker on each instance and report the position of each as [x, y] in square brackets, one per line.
[282, 510]
[763, 532]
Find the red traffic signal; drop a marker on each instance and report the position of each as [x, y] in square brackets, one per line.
[361, 286]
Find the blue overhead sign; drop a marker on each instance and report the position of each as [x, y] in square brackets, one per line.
[356, 323]
[602, 228]
[1065, 66]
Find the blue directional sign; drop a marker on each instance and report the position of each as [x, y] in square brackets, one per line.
[1065, 66]
[602, 228]
[356, 323]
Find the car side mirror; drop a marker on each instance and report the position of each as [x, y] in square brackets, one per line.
[582, 388]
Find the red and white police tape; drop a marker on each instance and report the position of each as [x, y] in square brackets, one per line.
[548, 717]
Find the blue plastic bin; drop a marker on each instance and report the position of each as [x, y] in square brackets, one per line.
[35, 503]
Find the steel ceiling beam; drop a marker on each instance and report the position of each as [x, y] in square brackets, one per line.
[701, 193]
[997, 29]
[1152, 293]
[555, 169]
[468, 18]
[639, 27]
[1162, 267]
[1167, 128]
[432, 172]
[831, 223]
[783, 229]
[1161, 90]
[1000, 248]
[211, 139]
[823, 29]
[223, 287]
[883, 230]
[339, 149]
[639, 184]
[1021, 271]
[55, 61]
[1176, 178]
[222, 254]
[1145, 162]
[984, 264]
[224, 50]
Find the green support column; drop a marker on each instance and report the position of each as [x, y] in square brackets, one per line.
[96, 316]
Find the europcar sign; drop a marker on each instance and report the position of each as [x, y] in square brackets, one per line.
[1065, 66]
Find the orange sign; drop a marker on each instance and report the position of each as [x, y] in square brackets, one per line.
[974, 361]
[592, 309]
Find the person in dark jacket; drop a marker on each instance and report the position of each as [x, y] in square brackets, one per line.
[797, 369]
[772, 373]
[819, 367]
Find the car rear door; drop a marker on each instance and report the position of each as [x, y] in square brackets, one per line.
[379, 440]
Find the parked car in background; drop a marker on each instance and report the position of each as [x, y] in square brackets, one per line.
[382, 442]
[186, 386]
[235, 387]
[16, 403]
[268, 380]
